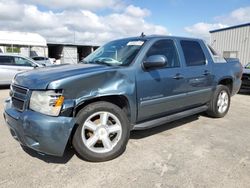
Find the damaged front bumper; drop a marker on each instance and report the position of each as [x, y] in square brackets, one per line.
[45, 134]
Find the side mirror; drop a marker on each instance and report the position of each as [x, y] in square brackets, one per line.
[34, 65]
[155, 61]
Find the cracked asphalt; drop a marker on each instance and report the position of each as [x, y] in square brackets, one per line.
[193, 152]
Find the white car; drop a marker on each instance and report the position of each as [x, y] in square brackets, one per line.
[11, 64]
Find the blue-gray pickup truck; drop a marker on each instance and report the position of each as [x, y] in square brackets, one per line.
[128, 84]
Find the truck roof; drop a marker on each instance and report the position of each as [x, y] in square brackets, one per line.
[149, 37]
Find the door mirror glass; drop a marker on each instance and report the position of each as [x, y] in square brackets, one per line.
[155, 61]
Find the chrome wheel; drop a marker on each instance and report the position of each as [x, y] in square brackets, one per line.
[222, 102]
[101, 132]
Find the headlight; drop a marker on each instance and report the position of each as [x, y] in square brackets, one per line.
[46, 102]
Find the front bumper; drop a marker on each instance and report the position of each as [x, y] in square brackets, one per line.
[45, 134]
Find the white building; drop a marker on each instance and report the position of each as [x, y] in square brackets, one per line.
[33, 44]
[233, 42]
[23, 43]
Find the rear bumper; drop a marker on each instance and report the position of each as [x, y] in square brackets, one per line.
[40, 132]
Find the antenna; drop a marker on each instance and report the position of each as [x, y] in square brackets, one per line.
[142, 34]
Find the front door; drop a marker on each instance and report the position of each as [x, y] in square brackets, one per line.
[161, 91]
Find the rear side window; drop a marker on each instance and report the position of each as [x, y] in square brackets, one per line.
[6, 60]
[193, 53]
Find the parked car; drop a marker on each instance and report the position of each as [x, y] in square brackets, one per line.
[128, 84]
[11, 64]
[246, 77]
[44, 60]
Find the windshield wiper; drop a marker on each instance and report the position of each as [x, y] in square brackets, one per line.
[102, 62]
[84, 61]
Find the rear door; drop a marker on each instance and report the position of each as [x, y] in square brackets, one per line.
[198, 72]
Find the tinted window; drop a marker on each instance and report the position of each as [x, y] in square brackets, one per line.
[6, 60]
[193, 53]
[39, 58]
[19, 61]
[36, 58]
[166, 48]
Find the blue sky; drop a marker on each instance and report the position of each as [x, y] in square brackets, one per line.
[177, 14]
[99, 21]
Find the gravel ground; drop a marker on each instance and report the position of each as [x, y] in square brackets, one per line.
[193, 152]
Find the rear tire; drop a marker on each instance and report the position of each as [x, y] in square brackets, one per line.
[220, 102]
[103, 132]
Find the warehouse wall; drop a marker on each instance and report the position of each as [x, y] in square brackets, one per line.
[70, 55]
[233, 42]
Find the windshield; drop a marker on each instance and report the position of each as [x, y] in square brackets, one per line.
[119, 52]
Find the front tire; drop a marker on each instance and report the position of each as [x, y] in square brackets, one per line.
[220, 103]
[102, 133]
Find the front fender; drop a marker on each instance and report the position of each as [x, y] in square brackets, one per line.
[115, 82]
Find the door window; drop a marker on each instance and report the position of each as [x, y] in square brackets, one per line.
[19, 61]
[167, 48]
[193, 53]
[6, 60]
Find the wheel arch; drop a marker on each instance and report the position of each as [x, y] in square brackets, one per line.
[227, 81]
[119, 100]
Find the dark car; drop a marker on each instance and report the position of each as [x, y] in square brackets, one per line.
[246, 77]
[127, 84]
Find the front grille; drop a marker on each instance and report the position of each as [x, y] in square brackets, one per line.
[19, 97]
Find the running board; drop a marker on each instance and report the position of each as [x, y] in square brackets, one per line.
[167, 119]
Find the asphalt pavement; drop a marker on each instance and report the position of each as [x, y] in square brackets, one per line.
[197, 151]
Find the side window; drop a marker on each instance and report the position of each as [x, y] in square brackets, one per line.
[19, 61]
[40, 58]
[6, 60]
[193, 53]
[36, 58]
[167, 48]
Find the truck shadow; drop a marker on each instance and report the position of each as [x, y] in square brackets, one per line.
[68, 154]
[139, 134]
[244, 92]
[4, 87]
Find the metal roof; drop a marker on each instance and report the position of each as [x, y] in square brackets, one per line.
[231, 27]
[22, 39]
[69, 44]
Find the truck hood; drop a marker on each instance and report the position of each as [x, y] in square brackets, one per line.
[40, 78]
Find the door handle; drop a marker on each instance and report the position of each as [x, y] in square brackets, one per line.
[178, 76]
[206, 73]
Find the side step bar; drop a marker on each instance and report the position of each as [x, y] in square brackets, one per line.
[167, 119]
